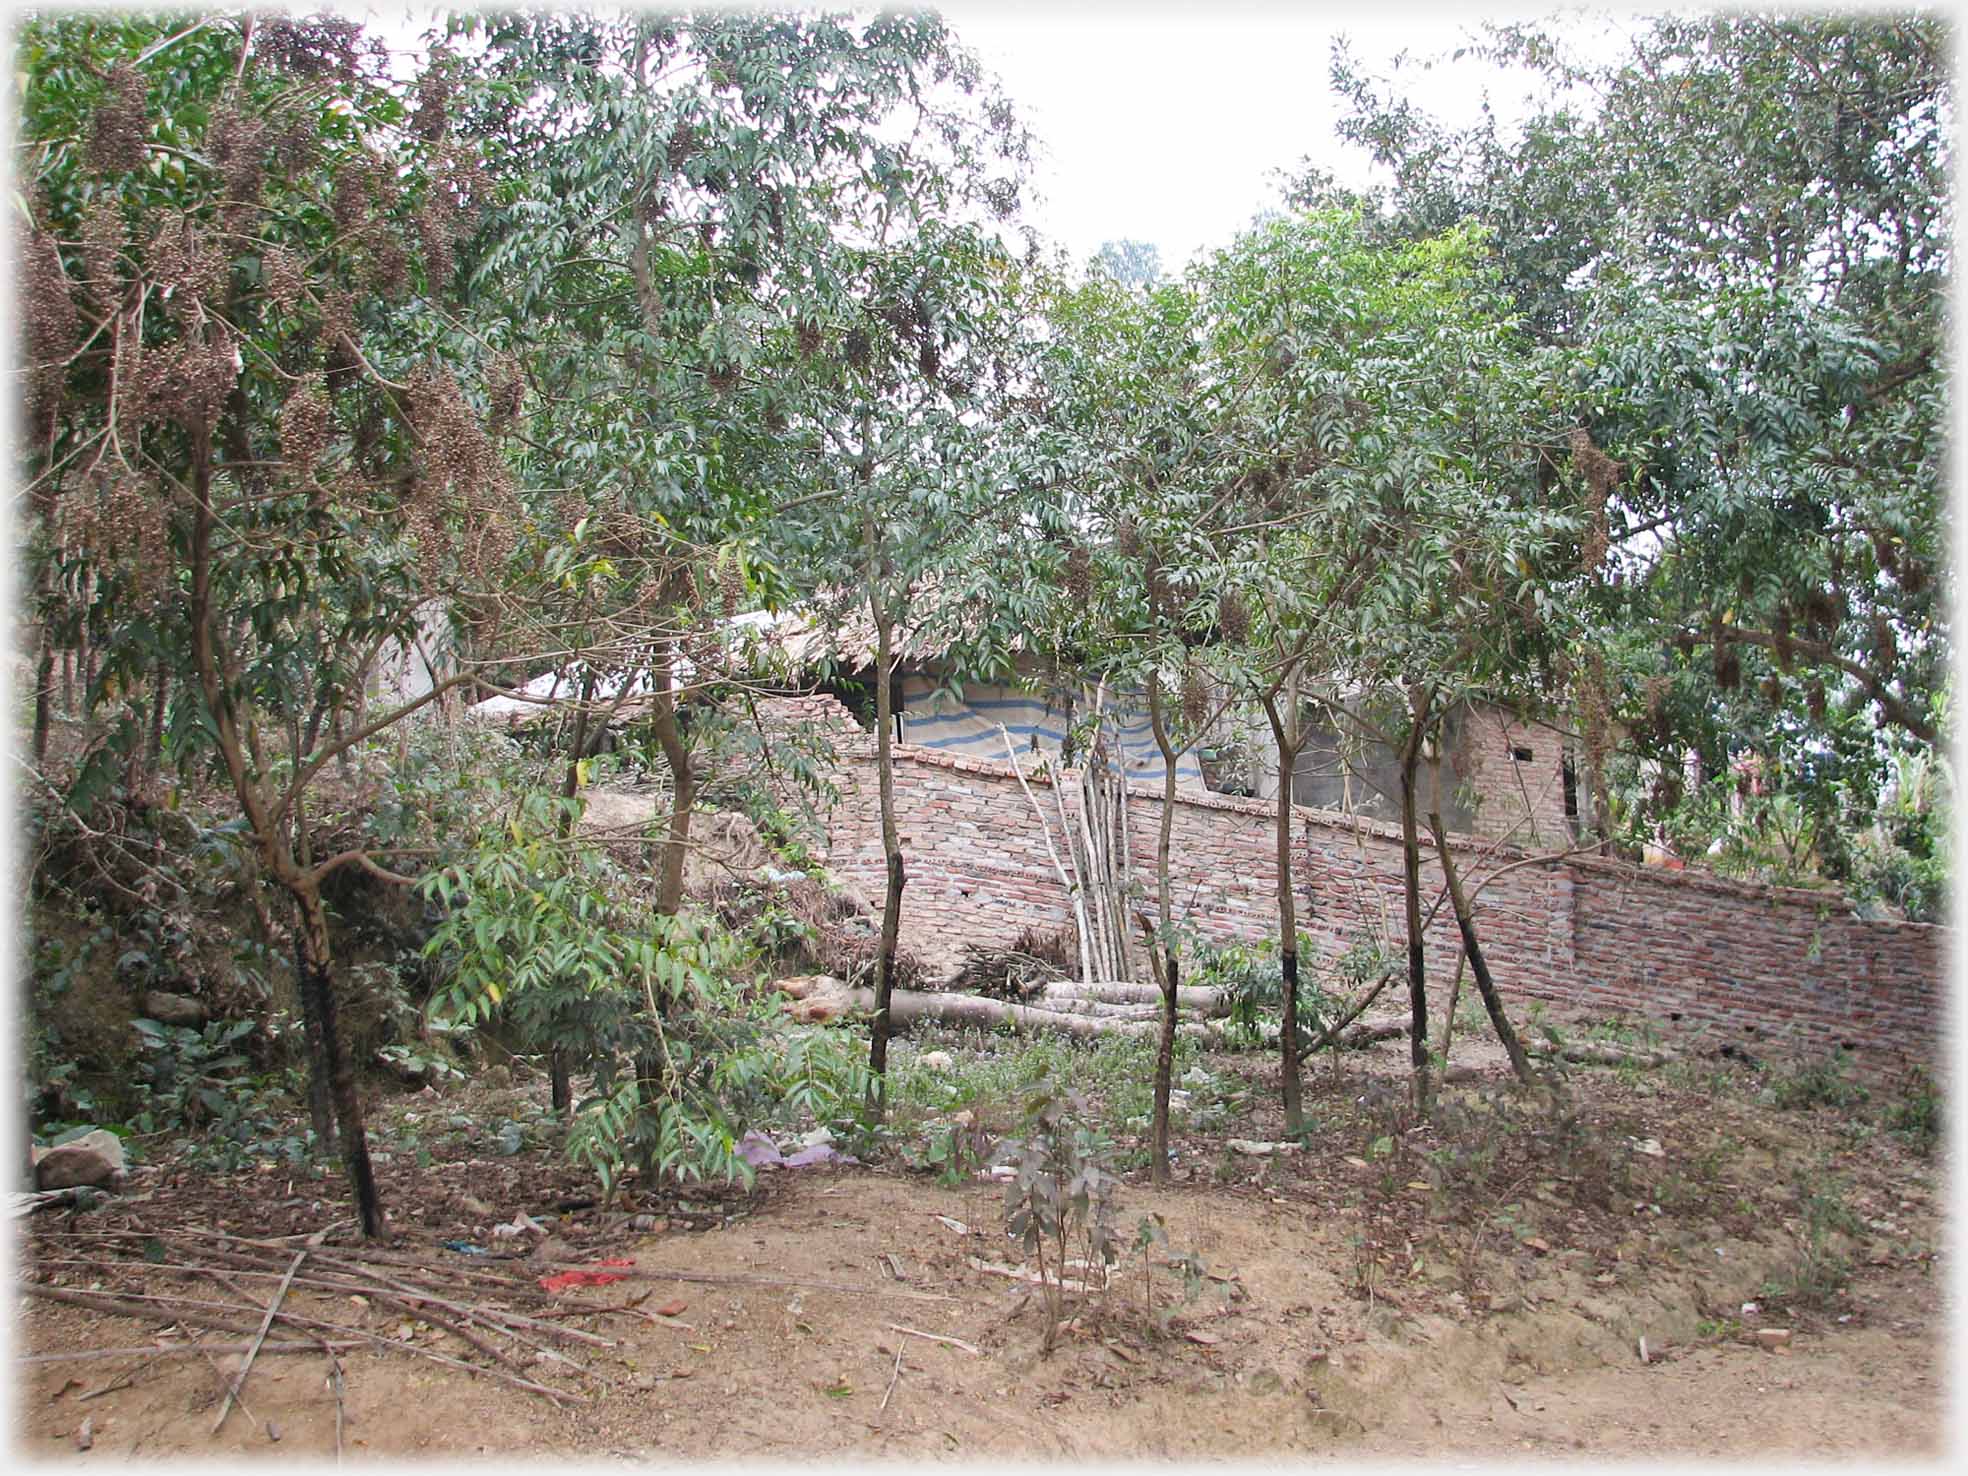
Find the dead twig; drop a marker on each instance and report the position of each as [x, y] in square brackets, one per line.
[970, 1348]
[892, 1378]
[165, 1350]
[273, 1310]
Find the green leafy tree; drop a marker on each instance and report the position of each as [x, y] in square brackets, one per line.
[249, 441]
[1742, 224]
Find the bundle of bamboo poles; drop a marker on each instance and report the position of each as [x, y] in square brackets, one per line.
[1096, 869]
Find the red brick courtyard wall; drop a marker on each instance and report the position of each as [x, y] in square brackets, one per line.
[1753, 965]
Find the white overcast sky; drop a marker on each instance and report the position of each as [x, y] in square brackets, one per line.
[1166, 123]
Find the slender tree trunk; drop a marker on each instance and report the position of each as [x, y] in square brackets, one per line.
[560, 1090]
[1163, 947]
[1424, 1083]
[321, 1102]
[158, 701]
[683, 786]
[312, 962]
[1292, 1088]
[1473, 951]
[44, 697]
[891, 925]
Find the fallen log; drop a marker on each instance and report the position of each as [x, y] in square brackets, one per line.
[1124, 992]
[908, 1007]
[1591, 1053]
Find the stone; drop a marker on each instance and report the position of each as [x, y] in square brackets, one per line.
[94, 1160]
[175, 1009]
[1773, 1339]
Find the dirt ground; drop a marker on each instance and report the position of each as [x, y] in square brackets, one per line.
[1368, 1299]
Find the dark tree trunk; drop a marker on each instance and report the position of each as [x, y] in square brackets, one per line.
[891, 926]
[1424, 1082]
[313, 965]
[158, 702]
[1520, 1062]
[562, 1091]
[321, 1104]
[1164, 946]
[683, 789]
[1293, 1088]
[44, 697]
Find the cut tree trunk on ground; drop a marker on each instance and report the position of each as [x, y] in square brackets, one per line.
[1121, 992]
[813, 1002]
[1588, 1053]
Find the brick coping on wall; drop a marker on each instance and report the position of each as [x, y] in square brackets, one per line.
[1334, 820]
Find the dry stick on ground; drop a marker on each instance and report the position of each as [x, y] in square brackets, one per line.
[969, 1348]
[706, 1278]
[892, 1378]
[166, 1350]
[132, 1304]
[412, 1299]
[273, 1309]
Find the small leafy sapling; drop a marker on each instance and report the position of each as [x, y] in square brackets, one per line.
[1059, 1202]
[1150, 1237]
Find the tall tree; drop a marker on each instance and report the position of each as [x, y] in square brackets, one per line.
[1742, 223]
[249, 438]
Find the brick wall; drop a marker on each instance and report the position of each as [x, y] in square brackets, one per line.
[1754, 965]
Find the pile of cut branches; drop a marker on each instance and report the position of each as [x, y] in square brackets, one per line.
[190, 1281]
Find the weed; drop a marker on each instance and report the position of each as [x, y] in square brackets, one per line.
[1916, 1113]
[1826, 1081]
[1059, 1202]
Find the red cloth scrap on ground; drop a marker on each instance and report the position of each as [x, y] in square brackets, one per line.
[561, 1281]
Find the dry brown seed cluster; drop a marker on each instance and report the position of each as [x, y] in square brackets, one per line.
[1195, 698]
[433, 232]
[238, 143]
[133, 532]
[1233, 617]
[1127, 538]
[280, 275]
[506, 389]
[807, 338]
[856, 348]
[454, 447]
[1822, 610]
[1814, 698]
[432, 117]
[1728, 666]
[1885, 646]
[1590, 696]
[731, 584]
[929, 359]
[318, 46]
[1780, 642]
[1079, 575]
[116, 138]
[304, 426]
[1884, 552]
[683, 143]
[355, 186]
[392, 266]
[337, 318]
[51, 321]
[189, 382]
[102, 249]
[570, 508]
[188, 265]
